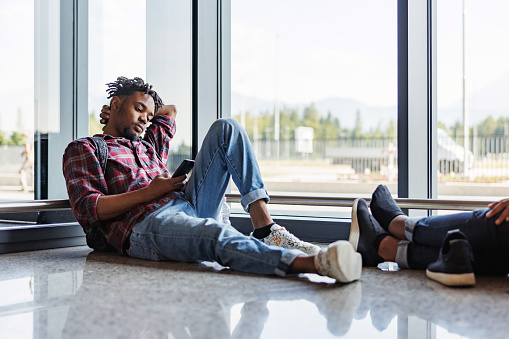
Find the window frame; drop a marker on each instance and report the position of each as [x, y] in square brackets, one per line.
[211, 93]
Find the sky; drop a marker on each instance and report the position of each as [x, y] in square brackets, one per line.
[285, 50]
[349, 49]
[487, 47]
[303, 53]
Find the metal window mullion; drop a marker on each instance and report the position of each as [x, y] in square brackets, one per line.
[432, 100]
[205, 69]
[80, 66]
[73, 90]
[416, 99]
[402, 125]
[224, 70]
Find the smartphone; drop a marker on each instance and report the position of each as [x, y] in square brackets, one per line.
[185, 167]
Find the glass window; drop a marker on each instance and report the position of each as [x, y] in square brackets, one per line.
[30, 96]
[147, 39]
[473, 79]
[316, 88]
[17, 123]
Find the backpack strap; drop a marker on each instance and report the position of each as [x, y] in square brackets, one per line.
[101, 151]
[95, 238]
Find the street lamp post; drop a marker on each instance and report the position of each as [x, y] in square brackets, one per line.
[276, 108]
[465, 112]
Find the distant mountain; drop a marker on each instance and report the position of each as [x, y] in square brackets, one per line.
[490, 100]
[343, 109]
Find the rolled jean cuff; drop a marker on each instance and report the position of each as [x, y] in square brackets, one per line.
[409, 227]
[286, 260]
[253, 196]
[402, 254]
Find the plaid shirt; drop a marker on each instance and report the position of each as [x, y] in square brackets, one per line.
[130, 166]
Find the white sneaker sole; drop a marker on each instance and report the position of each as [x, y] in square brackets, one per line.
[461, 279]
[311, 251]
[354, 228]
[349, 262]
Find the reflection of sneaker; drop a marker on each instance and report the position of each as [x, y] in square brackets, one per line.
[279, 236]
[341, 309]
[366, 233]
[454, 264]
[339, 261]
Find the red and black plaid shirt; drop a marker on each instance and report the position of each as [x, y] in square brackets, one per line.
[131, 166]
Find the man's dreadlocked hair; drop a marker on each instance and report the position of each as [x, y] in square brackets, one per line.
[125, 86]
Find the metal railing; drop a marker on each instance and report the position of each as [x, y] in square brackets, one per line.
[34, 205]
[431, 204]
[426, 204]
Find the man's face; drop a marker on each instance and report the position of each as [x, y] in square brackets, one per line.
[130, 114]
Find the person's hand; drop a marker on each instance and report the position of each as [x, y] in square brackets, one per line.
[164, 183]
[105, 114]
[169, 110]
[497, 207]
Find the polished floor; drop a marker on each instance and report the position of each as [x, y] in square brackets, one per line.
[75, 293]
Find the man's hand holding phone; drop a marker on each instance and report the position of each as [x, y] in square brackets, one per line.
[184, 168]
[162, 184]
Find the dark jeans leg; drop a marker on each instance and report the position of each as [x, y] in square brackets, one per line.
[489, 241]
[481, 232]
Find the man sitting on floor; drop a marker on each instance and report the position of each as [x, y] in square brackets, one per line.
[145, 213]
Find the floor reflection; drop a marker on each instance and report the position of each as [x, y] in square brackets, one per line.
[72, 293]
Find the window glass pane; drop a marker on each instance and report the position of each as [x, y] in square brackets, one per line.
[147, 39]
[17, 97]
[473, 80]
[30, 95]
[316, 88]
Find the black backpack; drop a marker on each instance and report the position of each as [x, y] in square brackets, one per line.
[95, 237]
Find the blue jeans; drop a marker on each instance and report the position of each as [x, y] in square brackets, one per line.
[490, 242]
[186, 230]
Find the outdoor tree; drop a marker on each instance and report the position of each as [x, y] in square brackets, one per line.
[441, 125]
[329, 128]
[357, 130]
[487, 127]
[3, 140]
[17, 138]
[392, 129]
[20, 124]
[502, 126]
[289, 119]
[376, 133]
[94, 126]
[311, 117]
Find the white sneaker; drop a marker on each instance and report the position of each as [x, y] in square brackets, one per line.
[279, 236]
[339, 261]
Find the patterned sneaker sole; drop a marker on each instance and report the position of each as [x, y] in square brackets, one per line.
[308, 251]
[461, 279]
[349, 262]
[354, 228]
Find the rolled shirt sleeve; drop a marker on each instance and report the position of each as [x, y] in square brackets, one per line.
[159, 134]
